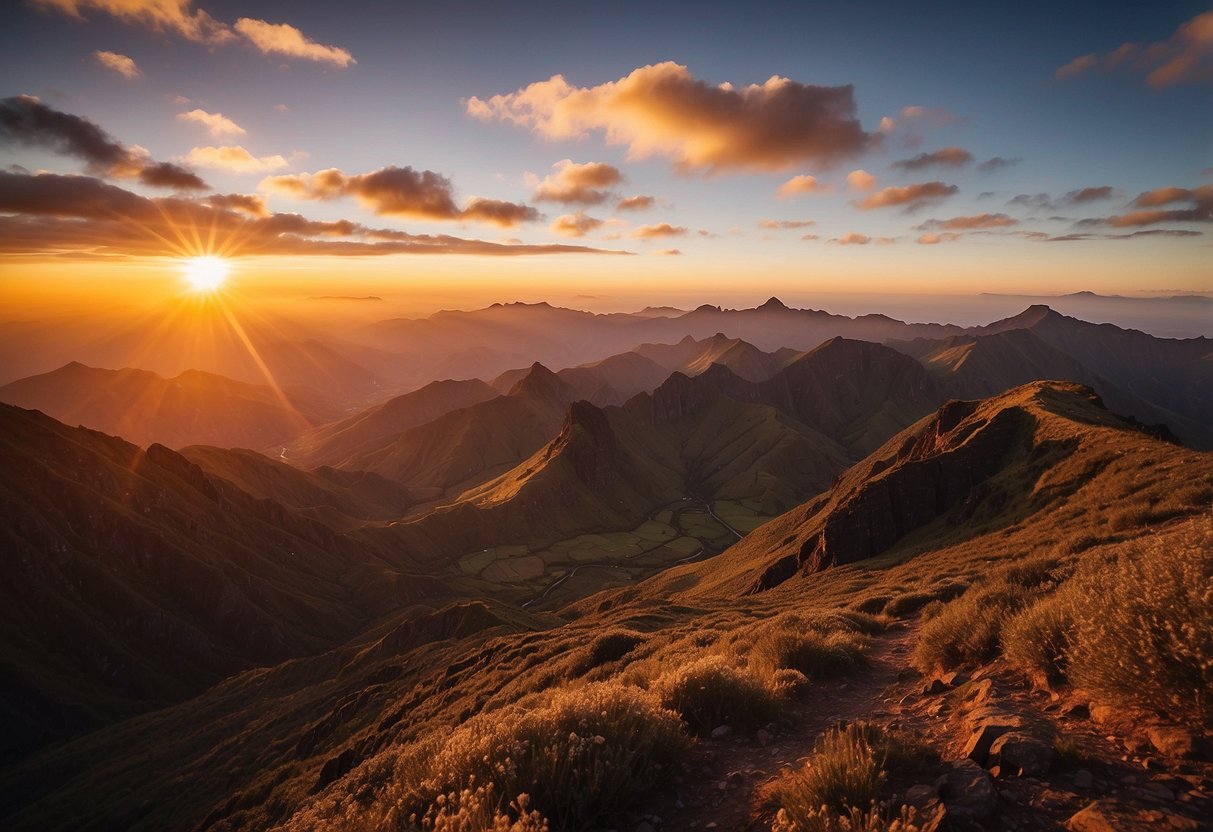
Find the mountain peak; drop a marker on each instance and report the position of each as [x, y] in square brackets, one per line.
[773, 304]
[540, 382]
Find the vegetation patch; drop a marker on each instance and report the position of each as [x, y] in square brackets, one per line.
[711, 691]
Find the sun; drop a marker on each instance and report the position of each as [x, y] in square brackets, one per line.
[205, 274]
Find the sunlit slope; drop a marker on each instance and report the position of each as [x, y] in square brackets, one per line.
[1046, 452]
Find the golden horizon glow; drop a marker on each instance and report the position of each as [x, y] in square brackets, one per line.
[206, 273]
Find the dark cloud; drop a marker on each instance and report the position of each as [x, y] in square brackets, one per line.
[250, 204]
[910, 197]
[953, 157]
[1031, 201]
[663, 110]
[81, 216]
[26, 121]
[997, 163]
[1088, 195]
[1199, 208]
[400, 192]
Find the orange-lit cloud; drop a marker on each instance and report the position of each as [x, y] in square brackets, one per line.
[861, 180]
[575, 225]
[234, 158]
[158, 15]
[584, 184]
[669, 252]
[944, 157]
[50, 215]
[1184, 58]
[910, 197]
[934, 239]
[661, 229]
[250, 204]
[216, 123]
[801, 184]
[284, 39]
[662, 110]
[977, 221]
[121, 64]
[181, 18]
[24, 120]
[785, 224]
[400, 192]
[640, 202]
[854, 238]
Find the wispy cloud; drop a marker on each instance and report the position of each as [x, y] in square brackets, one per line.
[216, 123]
[663, 110]
[1184, 58]
[123, 65]
[909, 197]
[953, 157]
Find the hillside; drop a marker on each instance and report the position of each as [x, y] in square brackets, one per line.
[192, 408]
[132, 579]
[1043, 469]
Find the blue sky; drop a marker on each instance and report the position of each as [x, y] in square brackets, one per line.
[985, 78]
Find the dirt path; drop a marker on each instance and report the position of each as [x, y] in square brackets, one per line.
[725, 783]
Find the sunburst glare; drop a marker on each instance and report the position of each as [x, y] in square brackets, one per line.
[205, 274]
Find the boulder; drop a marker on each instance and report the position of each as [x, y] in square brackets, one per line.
[1018, 752]
[968, 792]
[1171, 741]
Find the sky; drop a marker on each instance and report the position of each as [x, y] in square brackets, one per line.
[601, 155]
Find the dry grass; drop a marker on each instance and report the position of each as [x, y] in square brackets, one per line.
[712, 691]
[839, 787]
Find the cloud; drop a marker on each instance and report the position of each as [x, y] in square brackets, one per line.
[1088, 195]
[662, 110]
[810, 237]
[400, 192]
[861, 180]
[121, 64]
[234, 158]
[181, 18]
[661, 229]
[584, 184]
[954, 157]
[640, 202]
[972, 222]
[997, 163]
[911, 197]
[575, 225]
[801, 184]
[284, 39]
[250, 204]
[935, 239]
[1184, 58]
[669, 252]
[785, 224]
[24, 120]
[217, 123]
[84, 217]
[1199, 208]
[168, 175]
[1155, 232]
[854, 238]
[158, 15]
[1041, 200]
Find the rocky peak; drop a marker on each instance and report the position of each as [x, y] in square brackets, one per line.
[541, 383]
[773, 305]
[588, 442]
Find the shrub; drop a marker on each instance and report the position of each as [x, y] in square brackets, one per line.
[968, 629]
[578, 752]
[845, 772]
[908, 602]
[814, 654]
[1037, 639]
[710, 692]
[873, 604]
[1143, 628]
[789, 684]
[477, 810]
[609, 647]
[854, 820]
